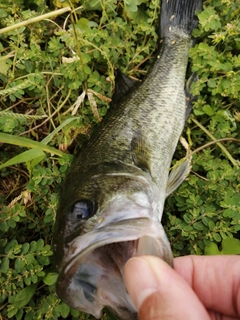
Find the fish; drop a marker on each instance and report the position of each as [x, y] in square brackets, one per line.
[112, 200]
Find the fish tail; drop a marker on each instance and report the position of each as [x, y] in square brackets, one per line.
[179, 14]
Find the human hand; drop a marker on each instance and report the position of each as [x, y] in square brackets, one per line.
[198, 288]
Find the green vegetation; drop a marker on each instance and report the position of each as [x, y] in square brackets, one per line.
[56, 82]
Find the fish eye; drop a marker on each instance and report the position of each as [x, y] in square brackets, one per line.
[77, 214]
[83, 209]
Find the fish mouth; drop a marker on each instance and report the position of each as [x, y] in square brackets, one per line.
[92, 277]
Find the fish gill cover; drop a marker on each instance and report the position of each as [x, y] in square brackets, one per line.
[56, 79]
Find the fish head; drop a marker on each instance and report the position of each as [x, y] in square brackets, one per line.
[108, 219]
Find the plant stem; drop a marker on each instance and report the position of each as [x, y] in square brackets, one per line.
[36, 19]
[214, 142]
[228, 155]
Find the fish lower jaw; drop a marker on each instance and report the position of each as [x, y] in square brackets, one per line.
[93, 281]
[96, 281]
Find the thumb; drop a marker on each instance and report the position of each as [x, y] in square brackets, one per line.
[158, 292]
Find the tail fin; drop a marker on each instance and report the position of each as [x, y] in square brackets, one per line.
[179, 14]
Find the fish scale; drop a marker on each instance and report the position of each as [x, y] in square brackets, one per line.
[113, 142]
[112, 199]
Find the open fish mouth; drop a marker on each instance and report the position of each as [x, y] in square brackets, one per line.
[92, 273]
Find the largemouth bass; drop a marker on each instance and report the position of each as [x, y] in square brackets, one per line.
[112, 200]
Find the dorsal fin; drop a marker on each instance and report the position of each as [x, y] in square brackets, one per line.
[189, 97]
[123, 84]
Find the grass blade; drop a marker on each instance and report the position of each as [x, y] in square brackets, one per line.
[23, 157]
[28, 143]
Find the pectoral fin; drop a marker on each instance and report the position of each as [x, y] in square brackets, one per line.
[178, 175]
[141, 152]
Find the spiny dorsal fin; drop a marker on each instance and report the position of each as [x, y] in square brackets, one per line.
[123, 84]
[189, 97]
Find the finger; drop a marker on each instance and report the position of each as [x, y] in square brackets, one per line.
[215, 279]
[217, 316]
[158, 292]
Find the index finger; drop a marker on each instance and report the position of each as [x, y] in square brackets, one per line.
[215, 280]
